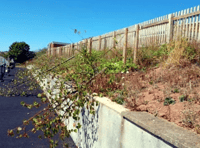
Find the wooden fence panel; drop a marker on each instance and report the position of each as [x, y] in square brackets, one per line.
[102, 42]
[95, 43]
[120, 38]
[125, 45]
[184, 23]
[109, 38]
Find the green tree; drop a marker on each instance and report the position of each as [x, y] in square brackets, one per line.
[20, 52]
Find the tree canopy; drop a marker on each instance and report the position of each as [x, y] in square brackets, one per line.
[20, 52]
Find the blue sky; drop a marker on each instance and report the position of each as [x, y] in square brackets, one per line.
[39, 22]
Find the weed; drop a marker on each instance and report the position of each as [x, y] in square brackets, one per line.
[100, 95]
[169, 101]
[175, 90]
[143, 69]
[151, 82]
[119, 99]
[197, 128]
[189, 118]
[183, 98]
[190, 99]
[146, 102]
[110, 93]
[23, 93]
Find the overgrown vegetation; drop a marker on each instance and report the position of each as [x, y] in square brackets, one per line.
[101, 72]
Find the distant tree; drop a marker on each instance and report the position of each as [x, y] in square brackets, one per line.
[20, 52]
[4, 54]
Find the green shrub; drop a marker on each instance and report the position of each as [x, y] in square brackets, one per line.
[190, 53]
[169, 101]
[117, 67]
[119, 100]
[182, 98]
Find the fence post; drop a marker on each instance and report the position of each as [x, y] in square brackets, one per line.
[86, 44]
[72, 48]
[80, 45]
[90, 45]
[105, 42]
[54, 51]
[69, 48]
[57, 51]
[65, 50]
[136, 43]
[114, 38]
[75, 47]
[99, 43]
[198, 9]
[60, 52]
[170, 32]
[125, 46]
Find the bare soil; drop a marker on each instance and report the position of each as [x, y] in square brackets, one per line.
[147, 91]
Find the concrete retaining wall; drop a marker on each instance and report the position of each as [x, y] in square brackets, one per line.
[114, 126]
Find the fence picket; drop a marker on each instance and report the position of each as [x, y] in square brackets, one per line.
[125, 45]
[187, 25]
[190, 26]
[170, 28]
[162, 32]
[197, 23]
[177, 29]
[136, 43]
[184, 24]
[193, 22]
[99, 43]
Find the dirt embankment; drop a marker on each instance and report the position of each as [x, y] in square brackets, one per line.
[172, 94]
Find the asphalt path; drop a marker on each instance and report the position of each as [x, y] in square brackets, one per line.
[12, 115]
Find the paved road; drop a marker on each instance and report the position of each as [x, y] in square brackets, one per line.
[12, 115]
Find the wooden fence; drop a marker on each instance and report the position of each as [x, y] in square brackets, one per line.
[185, 23]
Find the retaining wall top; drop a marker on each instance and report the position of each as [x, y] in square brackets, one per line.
[168, 131]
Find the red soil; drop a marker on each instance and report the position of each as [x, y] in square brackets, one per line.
[147, 92]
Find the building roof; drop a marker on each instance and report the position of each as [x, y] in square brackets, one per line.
[60, 43]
